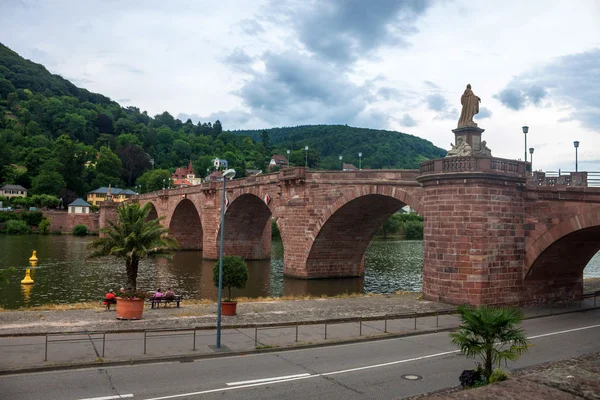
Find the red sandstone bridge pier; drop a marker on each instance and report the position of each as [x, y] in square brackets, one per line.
[492, 234]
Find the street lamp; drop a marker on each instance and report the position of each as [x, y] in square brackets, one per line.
[230, 173]
[360, 161]
[531, 149]
[525, 130]
[306, 159]
[576, 144]
[341, 163]
[164, 180]
[288, 153]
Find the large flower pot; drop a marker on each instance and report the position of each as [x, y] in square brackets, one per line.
[129, 308]
[228, 307]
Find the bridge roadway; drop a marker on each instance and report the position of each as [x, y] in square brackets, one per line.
[367, 370]
[492, 235]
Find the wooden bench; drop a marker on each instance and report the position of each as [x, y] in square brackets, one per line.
[108, 303]
[157, 301]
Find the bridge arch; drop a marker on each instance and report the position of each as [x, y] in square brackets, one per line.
[576, 239]
[346, 228]
[247, 226]
[153, 214]
[186, 226]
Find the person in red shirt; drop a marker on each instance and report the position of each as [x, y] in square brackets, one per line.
[110, 298]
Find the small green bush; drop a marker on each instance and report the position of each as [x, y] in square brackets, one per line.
[33, 218]
[413, 230]
[44, 226]
[17, 227]
[9, 215]
[235, 274]
[80, 230]
[275, 229]
[498, 375]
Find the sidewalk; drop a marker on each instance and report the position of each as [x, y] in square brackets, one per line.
[31, 340]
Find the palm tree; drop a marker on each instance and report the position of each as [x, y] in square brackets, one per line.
[486, 332]
[133, 237]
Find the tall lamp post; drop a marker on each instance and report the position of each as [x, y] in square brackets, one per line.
[230, 173]
[341, 164]
[360, 161]
[531, 149]
[525, 130]
[576, 144]
[306, 155]
[288, 153]
[164, 180]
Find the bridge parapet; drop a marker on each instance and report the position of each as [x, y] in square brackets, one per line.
[366, 175]
[572, 179]
[473, 166]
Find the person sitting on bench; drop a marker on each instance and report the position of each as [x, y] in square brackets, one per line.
[110, 299]
[158, 294]
[169, 294]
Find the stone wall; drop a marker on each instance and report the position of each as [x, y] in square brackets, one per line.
[63, 222]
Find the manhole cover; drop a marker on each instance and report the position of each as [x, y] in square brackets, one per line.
[412, 377]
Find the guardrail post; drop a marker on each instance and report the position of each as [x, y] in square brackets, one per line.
[296, 333]
[437, 319]
[144, 342]
[385, 324]
[195, 338]
[360, 327]
[325, 330]
[416, 321]
[255, 336]
[46, 349]
[103, 342]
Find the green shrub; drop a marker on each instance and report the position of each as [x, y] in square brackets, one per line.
[44, 226]
[45, 200]
[413, 230]
[498, 375]
[9, 215]
[235, 274]
[16, 227]
[80, 230]
[20, 202]
[33, 218]
[275, 229]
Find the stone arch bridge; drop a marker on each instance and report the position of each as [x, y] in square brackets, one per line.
[492, 234]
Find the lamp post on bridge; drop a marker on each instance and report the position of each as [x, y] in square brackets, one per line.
[230, 173]
[576, 144]
[306, 156]
[531, 149]
[288, 153]
[360, 161]
[341, 164]
[164, 181]
[525, 130]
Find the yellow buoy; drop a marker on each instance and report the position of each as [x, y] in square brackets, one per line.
[27, 280]
[33, 256]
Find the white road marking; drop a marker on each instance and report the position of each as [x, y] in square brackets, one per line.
[123, 396]
[272, 381]
[277, 378]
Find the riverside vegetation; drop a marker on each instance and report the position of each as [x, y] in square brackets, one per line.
[61, 140]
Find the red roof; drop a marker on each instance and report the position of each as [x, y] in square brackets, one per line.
[183, 172]
[181, 182]
[279, 159]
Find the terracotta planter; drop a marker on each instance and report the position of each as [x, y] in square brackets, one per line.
[228, 307]
[129, 308]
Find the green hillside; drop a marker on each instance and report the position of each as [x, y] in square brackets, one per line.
[380, 149]
[64, 141]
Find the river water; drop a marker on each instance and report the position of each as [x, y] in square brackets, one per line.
[64, 275]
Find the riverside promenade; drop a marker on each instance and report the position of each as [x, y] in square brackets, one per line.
[41, 340]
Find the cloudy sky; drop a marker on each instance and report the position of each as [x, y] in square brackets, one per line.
[384, 64]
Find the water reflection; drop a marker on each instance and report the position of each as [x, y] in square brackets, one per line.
[63, 275]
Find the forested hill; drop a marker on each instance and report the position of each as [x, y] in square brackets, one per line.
[380, 149]
[64, 141]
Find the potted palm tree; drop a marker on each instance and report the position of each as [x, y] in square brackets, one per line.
[235, 274]
[132, 237]
[492, 334]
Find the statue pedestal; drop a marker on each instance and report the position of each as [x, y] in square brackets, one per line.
[470, 135]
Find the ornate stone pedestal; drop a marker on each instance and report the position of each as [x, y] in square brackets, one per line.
[470, 135]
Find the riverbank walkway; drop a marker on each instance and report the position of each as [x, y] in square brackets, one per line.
[39, 340]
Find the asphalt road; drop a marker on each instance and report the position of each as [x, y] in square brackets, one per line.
[368, 370]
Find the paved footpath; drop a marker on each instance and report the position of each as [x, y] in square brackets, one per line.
[38, 340]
